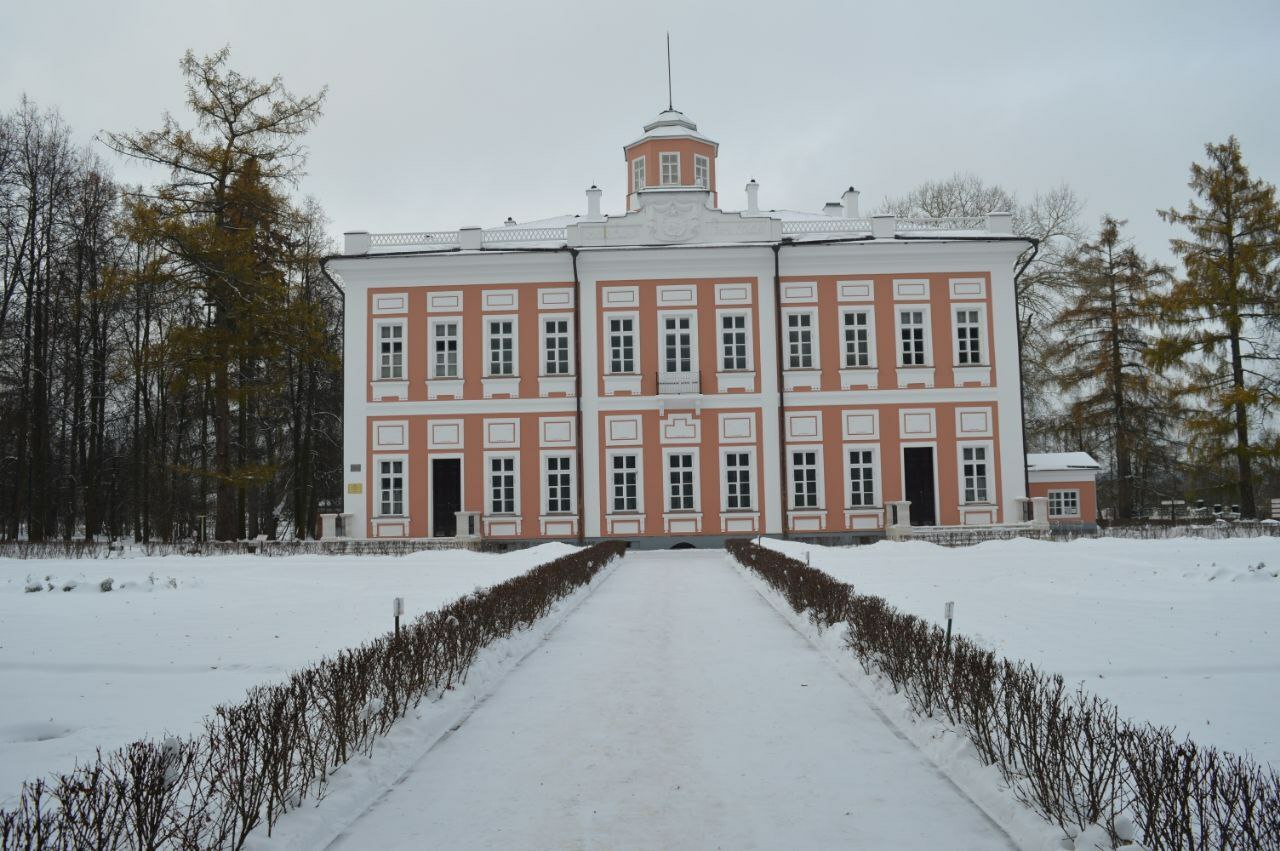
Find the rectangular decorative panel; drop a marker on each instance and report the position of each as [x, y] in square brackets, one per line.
[799, 292]
[805, 425]
[557, 431]
[391, 435]
[968, 288]
[973, 422]
[733, 293]
[501, 434]
[622, 431]
[917, 423]
[444, 434]
[737, 428]
[861, 425]
[911, 288]
[620, 297]
[444, 302]
[501, 299]
[855, 290]
[390, 303]
[557, 299]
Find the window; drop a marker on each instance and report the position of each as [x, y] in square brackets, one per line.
[974, 473]
[502, 347]
[1064, 503]
[800, 340]
[446, 339]
[637, 174]
[626, 495]
[968, 336]
[857, 339]
[737, 480]
[502, 485]
[390, 488]
[677, 343]
[862, 478]
[559, 484]
[701, 171]
[733, 341]
[680, 482]
[391, 351]
[555, 342]
[804, 479]
[670, 169]
[622, 344]
[911, 328]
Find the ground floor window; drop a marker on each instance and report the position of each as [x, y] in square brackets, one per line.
[804, 479]
[1064, 503]
[680, 482]
[862, 478]
[625, 483]
[390, 488]
[737, 480]
[559, 484]
[502, 485]
[974, 472]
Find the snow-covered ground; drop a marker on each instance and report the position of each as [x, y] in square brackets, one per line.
[1180, 632]
[82, 669]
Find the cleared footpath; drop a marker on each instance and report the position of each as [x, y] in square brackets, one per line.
[674, 709]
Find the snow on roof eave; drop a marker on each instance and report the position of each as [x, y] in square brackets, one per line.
[676, 133]
[1049, 461]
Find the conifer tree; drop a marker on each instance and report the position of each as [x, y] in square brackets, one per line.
[1217, 316]
[1104, 329]
[214, 219]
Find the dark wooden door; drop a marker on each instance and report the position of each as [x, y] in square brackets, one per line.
[917, 468]
[446, 496]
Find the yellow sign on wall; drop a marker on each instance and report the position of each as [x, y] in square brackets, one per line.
[355, 488]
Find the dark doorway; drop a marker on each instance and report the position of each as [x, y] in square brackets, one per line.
[917, 470]
[446, 496]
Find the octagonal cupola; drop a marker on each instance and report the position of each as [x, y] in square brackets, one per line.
[671, 155]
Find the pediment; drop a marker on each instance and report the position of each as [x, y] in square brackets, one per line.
[675, 217]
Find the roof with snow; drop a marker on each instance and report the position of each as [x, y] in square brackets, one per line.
[1038, 462]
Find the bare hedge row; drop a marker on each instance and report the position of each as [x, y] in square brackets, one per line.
[260, 758]
[1067, 754]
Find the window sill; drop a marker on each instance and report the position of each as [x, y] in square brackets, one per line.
[682, 522]
[979, 375]
[743, 381]
[438, 387]
[796, 379]
[740, 520]
[500, 385]
[622, 382]
[909, 375]
[862, 518]
[859, 376]
[563, 385]
[396, 389]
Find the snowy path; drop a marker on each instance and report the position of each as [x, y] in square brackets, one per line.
[674, 709]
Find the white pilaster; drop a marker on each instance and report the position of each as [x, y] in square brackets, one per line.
[354, 407]
[770, 446]
[1004, 346]
[589, 360]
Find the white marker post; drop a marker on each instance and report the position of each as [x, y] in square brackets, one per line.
[397, 609]
[950, 610]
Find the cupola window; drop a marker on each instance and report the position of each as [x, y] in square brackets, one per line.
[670, 169]
[637, 174]
[701, 171]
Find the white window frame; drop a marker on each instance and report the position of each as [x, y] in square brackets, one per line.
[433, 326]
[378, 325]
[989, 459]
[702, 163]
[378, 461]
[664, 159]
[1059, 495]
[692, 452]
[489, 458]
[663, 316]
[871, 338]
[876, 482]
[814, 338]
[753, 478]
[750, 342]
[927, 319]
[984, 355]
[488, 345]
[638, 174]
[819, 480]
[545, 484]
[635, 341]
[543, 319]
[638, 454]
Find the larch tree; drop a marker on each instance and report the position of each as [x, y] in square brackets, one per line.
[1118, 403]
[215, 219]
[1220, 315]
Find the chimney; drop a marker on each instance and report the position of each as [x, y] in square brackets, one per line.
[509, 223]
[593, 204]
[851, 203]
[833, 210]
[753, 197]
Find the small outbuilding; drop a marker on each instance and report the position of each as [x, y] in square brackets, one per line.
[1069, 480]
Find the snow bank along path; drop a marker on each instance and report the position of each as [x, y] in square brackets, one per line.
[674, 708]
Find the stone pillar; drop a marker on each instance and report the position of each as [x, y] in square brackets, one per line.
[1040, 511]
[469, 239]
[356, 242]
[328, 526]
[884, 226]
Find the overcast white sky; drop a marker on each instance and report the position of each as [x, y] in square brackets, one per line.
[448, 114]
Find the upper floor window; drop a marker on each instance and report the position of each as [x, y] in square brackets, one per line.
[804, 479]
[677, 343]
[800, 344]
[680, 496]
[862, 478]
[701, 171]
[973, 463]
[912, 327]
[390, 488]
[1064, 503]
[555, 343]
[968, 336]
[446, 337]
[502, 485]
[737, 480]
[637, 174]
[622, 344]
[391, 351]
[626, 483]
[670, 169]
[559, 484]
[502, 347]
[733, 341]
[857, 338]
